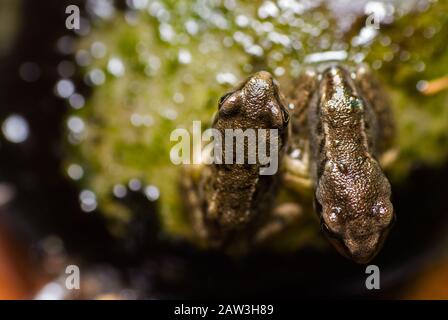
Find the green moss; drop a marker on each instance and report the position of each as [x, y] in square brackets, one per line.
[161, 91]
[418, 47]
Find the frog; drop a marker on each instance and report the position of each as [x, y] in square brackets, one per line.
[335, 126]
[226, 199]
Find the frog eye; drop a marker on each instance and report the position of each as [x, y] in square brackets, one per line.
[224, 98]
[384, 212]
[334, 214]
[381, 209]
[356, 104]
[284, 111]
[229, 103]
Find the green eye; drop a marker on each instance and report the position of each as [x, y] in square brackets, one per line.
[356, 104]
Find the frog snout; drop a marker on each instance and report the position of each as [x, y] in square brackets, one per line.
[260, 87]
[362, 250]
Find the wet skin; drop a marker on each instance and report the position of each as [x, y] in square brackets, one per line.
[345, 121]
[235, 195]
[352, 194]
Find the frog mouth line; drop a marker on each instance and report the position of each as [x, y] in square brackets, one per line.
[360, 256]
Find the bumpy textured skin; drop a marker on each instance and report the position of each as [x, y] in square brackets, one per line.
[352, 194]
[345, 119]
[235, 194]
[373, 93]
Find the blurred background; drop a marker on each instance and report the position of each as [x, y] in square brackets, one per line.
[85, 117]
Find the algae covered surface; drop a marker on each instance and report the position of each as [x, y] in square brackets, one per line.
[159, 65]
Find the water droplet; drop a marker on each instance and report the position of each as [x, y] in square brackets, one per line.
[152, 193]
[326, 56]
[15, 128]
[136, 119]
[422, 85]
[279, 38]
[226, 77]
[131, 17]
[255, 50]
[65, 88]
[279, 71]
[135, 184]
[184, 56]
[170, 114]
[377, 64]
[88, 200]
[268, 9]
[65, 44]
[66, 69]
[120, 191]
[420, 66]
[98, 50]
[29, 72]
[138, 4]
[76, 124]
[116, 67]
[97, 77]
[84, 27]
[82, 58]
[166, 32]
[154, 62]
[385, 41]
[75, 171]
[178, 97]
[148, 120]
[101, 8]
[192, 27]
[366, 35]
[76, 101]
[242, 21]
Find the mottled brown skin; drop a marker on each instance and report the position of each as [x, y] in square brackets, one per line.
[345, 119]
[352, 194]
[235, 194]
[373, 93]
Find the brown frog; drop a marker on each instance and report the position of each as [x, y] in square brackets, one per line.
[329, 139]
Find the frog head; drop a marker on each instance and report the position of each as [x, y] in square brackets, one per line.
[356, 211]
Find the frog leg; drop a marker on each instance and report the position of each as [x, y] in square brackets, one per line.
[280, 218]
[296, 172]
[296, 162]
[190, 182]
[388, 157]
[376, 96]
